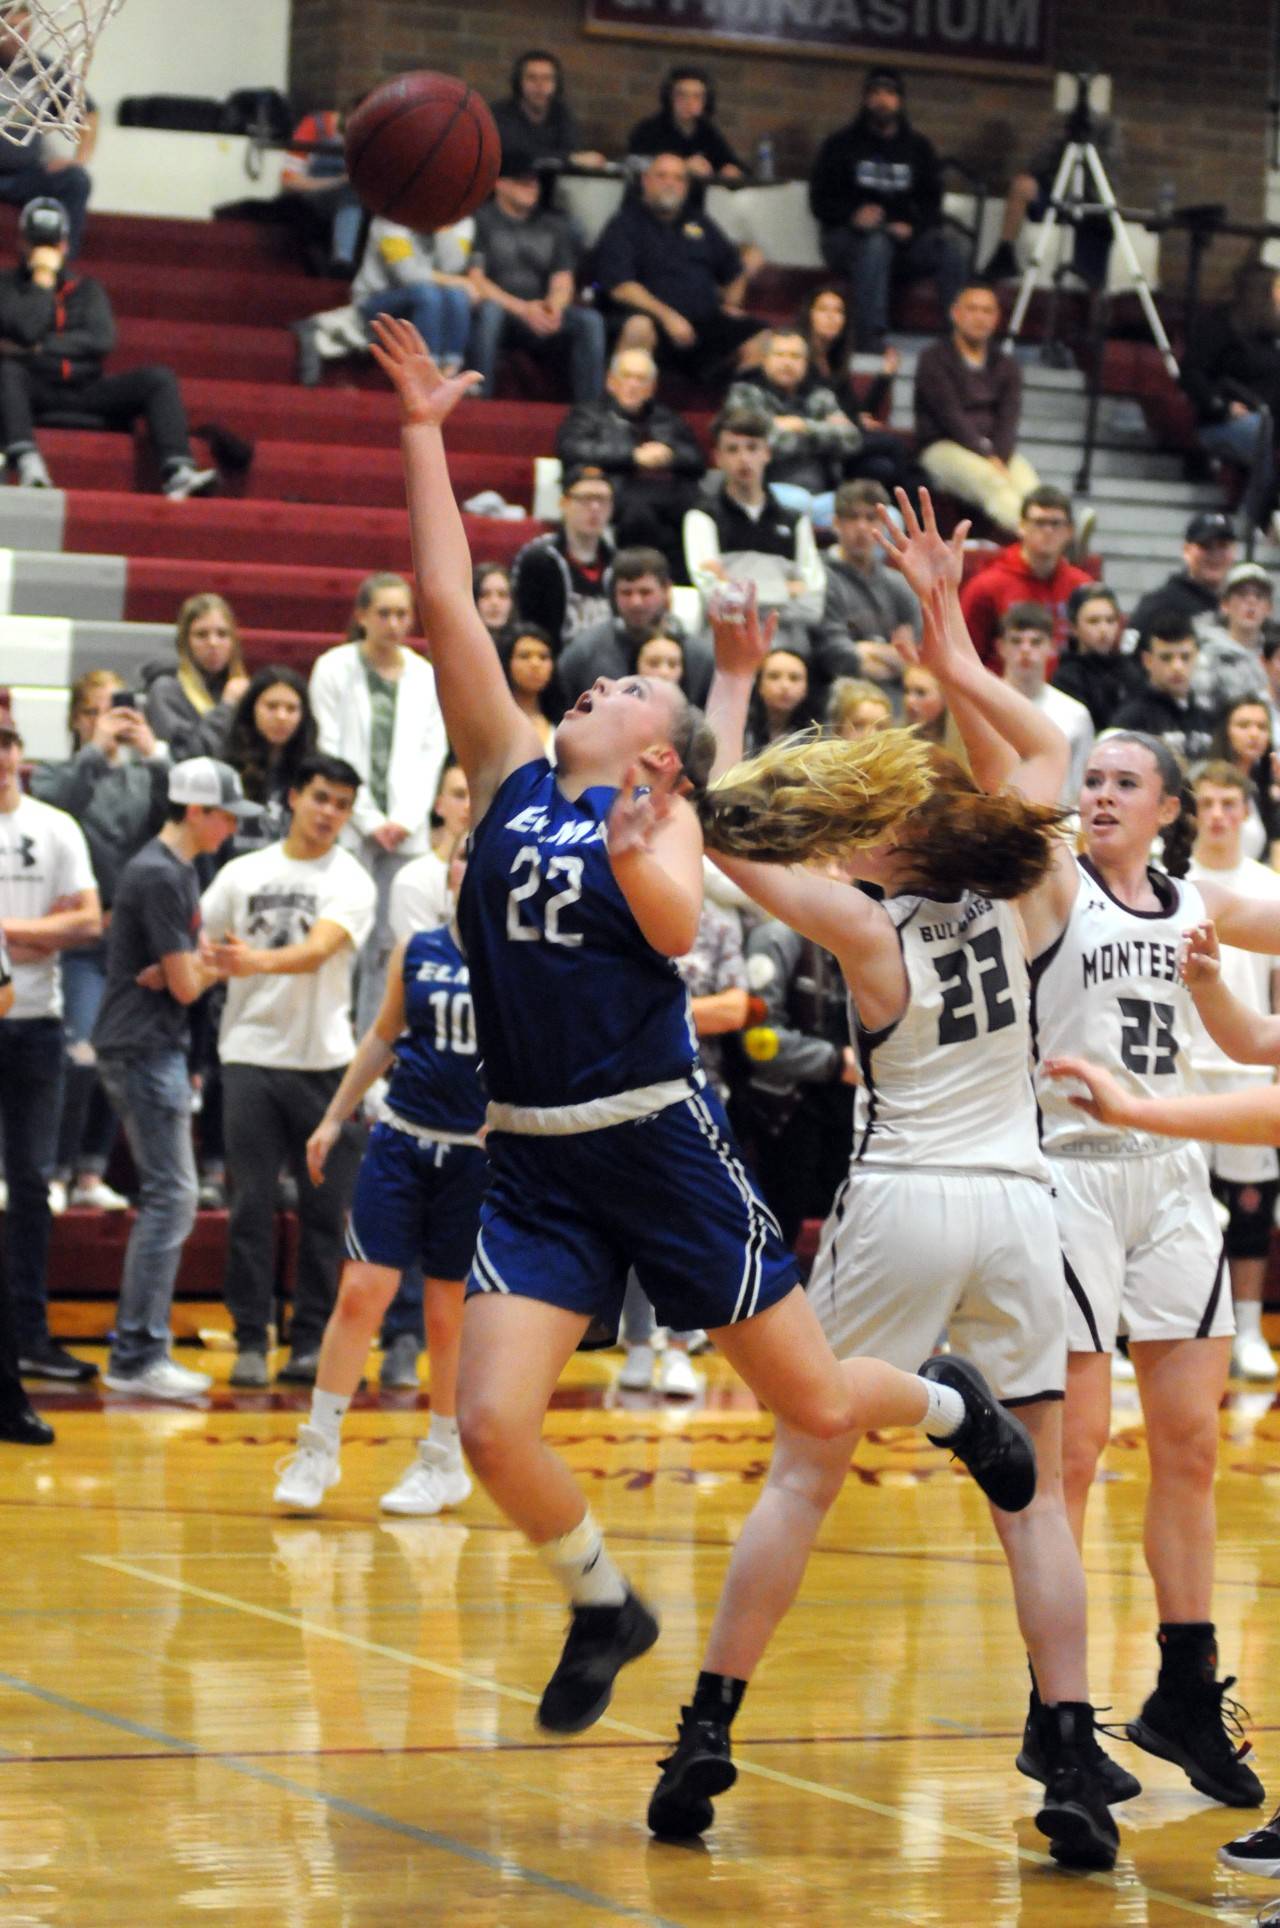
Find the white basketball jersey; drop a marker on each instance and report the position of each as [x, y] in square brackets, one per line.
[1109, 990]
[950, 1083]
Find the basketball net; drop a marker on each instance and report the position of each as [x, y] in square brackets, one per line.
[42, 85]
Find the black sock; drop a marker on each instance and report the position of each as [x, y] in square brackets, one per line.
[1036, 1701]
[1188, 1652]
[718, 1697]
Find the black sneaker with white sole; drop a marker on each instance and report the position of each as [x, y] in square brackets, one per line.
[700, 1767]
[1195, 1725]
[599, 1644]
[49, 1360]
[1034, 1759]
[1257, 1853]
[1074, 1816]
[995, 1446]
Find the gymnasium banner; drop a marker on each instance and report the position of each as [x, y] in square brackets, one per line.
[1011, 33]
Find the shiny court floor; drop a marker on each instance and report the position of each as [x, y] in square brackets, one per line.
[213, 1714]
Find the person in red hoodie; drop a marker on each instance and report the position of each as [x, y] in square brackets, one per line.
[1032, 569]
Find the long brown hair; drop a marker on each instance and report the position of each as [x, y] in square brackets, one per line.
[811, 796]
[961, 838]
[382, 579]
[190, 675]
[1177, 839]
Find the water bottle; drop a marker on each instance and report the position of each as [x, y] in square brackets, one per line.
[1166, 199]
[764, 159]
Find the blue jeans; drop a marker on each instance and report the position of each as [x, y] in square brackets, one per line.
[1233, 440]
[152, 1095]
[31, 1071]
[70, 185]
[579, 339]
[871, 260]
[88, 1124]
[442, 316]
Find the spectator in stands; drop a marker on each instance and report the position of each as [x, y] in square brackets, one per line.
[676, 280]
[968, 397]
[661, 657]
[876, 194]
[685, 125]
[1093, 668]
[420, 897]
[1231, 662]
[26, 169]
[561, 580]
[285, 924]
[1027, 198]
[641, 609]
[1208, 553]
[491, 587]
[536, 119]
[781, 702]
[1032, 569]
[741, 534]
[48, 901]
[116, 787]
[1231, 370]
[156, 969]
[924, 707]
[1167, 707]
[56, 330]
[802, 1070]
[20, 1425]
[812, 442]
[1271, 660]
[649, 454]
[1243, 738]
[192, 707]
[316, 194]
[1025, 646]
[375, 705]
[422, 277]
[855, 708]
[530, 665]
[521, 276]
[271, 735]
[869, 615]
[828, 331]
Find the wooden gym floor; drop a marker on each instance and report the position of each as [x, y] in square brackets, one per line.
[212, 1714]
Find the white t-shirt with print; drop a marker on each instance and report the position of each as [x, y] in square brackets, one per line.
[299, 1022]
[43, 856]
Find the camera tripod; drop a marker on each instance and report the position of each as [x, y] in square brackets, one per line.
[1081, 167]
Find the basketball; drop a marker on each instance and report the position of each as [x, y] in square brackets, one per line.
[422, 149]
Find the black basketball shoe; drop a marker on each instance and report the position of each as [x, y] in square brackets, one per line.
[1075, 1816]
[600, 1642]
[700, 1767]
[1034, 1758]
[995, 1446]
[1256, 1853]
[1192, 1723]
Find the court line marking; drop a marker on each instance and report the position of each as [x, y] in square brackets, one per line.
[298, 1623]
[339, 1804]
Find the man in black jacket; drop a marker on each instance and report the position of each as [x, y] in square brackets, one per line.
[561, 581]
[56, 329]
[1209, 551]
[648, 453]
[876, 194]
[686, 127]
[1166, 706]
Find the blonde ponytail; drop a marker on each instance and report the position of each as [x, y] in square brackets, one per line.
[812, 796]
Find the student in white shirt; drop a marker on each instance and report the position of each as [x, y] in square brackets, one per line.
[285, 925]
[48, 901]
[1024, 646]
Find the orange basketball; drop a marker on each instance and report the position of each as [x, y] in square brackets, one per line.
[422, 149]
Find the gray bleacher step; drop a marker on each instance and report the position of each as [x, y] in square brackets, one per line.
[1136, 465]
[30, 644]
[1184, 497]
[1138, 520]
[44, 582]
[32, 518]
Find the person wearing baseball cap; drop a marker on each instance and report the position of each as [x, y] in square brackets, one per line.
[1232, 667]
[1208, 552]
[157, 968]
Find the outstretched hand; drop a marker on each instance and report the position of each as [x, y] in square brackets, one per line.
[927, 559]
[1107, 1099]
[643, 804]
[1201, 960]
[426, 396]
[742, 641]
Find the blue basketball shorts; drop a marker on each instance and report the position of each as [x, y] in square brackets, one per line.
[417, 1204]
[564, 1218]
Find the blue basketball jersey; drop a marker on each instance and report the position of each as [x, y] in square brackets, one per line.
[572, 1002]
[435, 1081]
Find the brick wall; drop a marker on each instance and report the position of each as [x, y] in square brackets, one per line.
[1190, 86]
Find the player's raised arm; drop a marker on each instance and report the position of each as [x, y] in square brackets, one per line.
[1248, 1036]
[487, 731]
[1225, 1118]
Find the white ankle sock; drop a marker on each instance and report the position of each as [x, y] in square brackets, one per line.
[583, 1567]
[327, 1411]
[945, 1414]
[444, 1432]
[1248, 1317]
